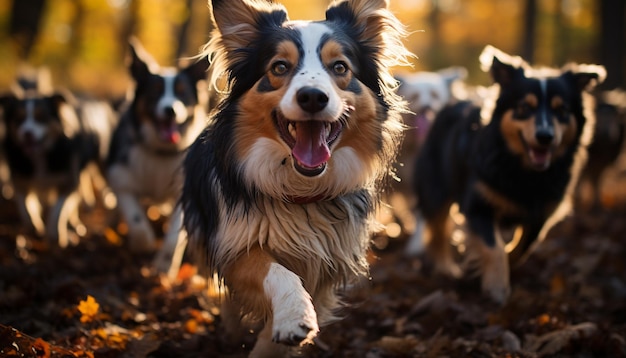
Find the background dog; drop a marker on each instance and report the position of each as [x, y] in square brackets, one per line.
[512, 176]
[281, 187]
[607, 144]
[52, 144]
[166, 112]
[426, 93]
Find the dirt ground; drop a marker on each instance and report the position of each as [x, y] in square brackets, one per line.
[95, 299]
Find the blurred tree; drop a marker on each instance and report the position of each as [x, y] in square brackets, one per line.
[613, 41]
[530, 25]
[25, 24]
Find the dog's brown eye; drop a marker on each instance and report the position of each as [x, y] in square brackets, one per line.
[562, 114]
[523, 111]
[340, 68]
[280, 68]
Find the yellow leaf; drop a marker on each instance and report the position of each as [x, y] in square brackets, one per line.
[88, 309]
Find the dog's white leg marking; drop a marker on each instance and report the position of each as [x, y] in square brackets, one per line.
[29, 209]
[170, 256]
[294, 317]
[59, 216]
[140, 232]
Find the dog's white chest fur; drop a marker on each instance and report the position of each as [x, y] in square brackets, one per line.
[148, 175]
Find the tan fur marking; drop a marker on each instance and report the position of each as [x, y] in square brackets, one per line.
[245, 277]
[512, 128]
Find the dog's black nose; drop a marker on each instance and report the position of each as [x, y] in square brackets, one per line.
[311, 99]
[544, 136]
[169, 112]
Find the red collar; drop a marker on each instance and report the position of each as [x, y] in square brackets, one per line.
[301, 200]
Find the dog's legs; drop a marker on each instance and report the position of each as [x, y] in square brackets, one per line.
[29, 209]
[271, 290]
[438, 235]
[59, 217]
[265, 347]
[170, 256]
[140, 232]
[492, 263]
[415, 246]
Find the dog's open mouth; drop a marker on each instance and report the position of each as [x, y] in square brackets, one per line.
[310, 141]
[540, 157]
[168, 132]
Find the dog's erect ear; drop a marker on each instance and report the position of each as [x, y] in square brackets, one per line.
[584, 77]
[197, 70]
[239, 20]
[141, 63]
[65, 112]
[502, 67]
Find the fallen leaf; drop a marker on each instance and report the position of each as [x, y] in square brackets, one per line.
[89, 309]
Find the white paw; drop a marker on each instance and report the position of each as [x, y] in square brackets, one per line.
[295, 321]
[495, 284]
[294, 317]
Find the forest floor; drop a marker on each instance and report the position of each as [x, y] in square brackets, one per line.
[95, 299]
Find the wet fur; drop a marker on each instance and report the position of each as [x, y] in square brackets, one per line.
[282, 241]
[489, 167]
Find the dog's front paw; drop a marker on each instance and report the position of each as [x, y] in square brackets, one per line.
[495, 284]
[141, 239]
[296, 323]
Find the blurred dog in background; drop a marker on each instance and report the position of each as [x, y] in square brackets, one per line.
[52, 144]
[165, 113]
[511, 174]
[607, 144]
[426, 93]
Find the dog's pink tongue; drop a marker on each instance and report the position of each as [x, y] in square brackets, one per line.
[311, 149]
[169, 133]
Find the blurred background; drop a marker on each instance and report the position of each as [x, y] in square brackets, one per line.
[84, 42]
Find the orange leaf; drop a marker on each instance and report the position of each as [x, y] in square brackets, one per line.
[89, 309]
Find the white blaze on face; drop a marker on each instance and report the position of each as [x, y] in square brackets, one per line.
[543, 123]
[169, 101]
[311, 73]
[30, 126]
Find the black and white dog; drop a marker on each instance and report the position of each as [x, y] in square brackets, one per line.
[50, 142]
[167, 111]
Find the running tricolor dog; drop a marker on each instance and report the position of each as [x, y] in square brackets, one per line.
[280, 188]
[511, 177]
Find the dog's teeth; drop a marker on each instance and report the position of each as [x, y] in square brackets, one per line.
[292, 129]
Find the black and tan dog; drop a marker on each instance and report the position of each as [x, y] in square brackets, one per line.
[512, 175]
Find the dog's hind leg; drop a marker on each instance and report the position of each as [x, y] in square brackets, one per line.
[269, 290]
[438, 243]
